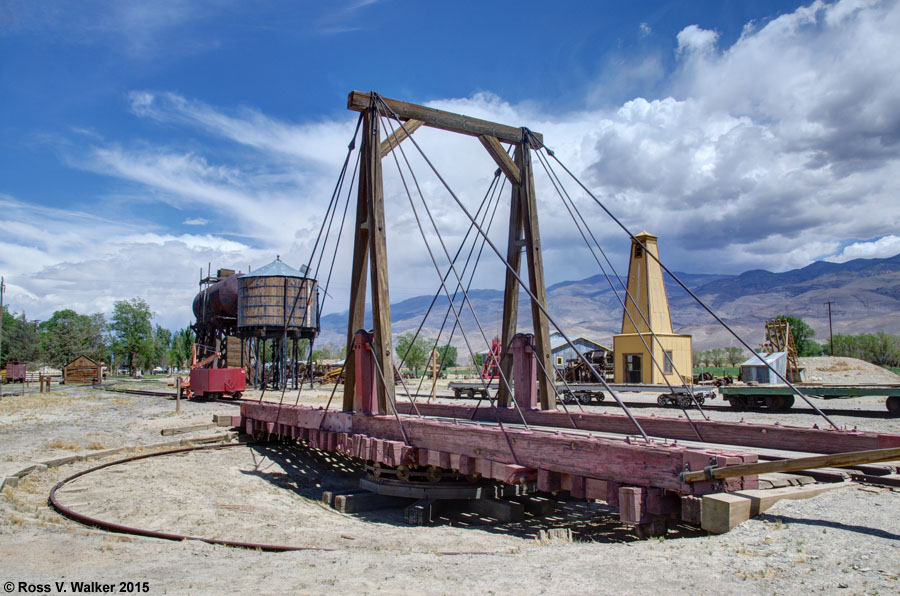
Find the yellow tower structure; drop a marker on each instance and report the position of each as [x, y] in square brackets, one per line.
[648, 306]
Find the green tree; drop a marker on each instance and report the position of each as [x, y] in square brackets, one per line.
[696, 358]
[717, 357]
[162, 341]
[448, 355]
[8, 322]
[882, 349]
[67, 334]
[703, 358]
[847, 345]
[326, 352]
[412, 352]
[20, 339]
[877, 348]
[734, 355]
[181, 349]
[133, 332]
[803, 336]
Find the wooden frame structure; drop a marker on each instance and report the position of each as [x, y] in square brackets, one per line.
[646, 479]
[370, 246]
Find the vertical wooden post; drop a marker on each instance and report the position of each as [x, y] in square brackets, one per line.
[357, 314]
[177, 394]
[536, 275]
[381, 303]
[524, 231]
[524, 371]
[511, 288]
[435, 369]
[371, 248]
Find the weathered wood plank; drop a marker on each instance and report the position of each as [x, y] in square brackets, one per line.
[607, 459]
[501, 158]
[795, 464]
[399, 135]
[360, 101]
[187, 429]
[511, 288]
[721, 512]
[791, 438]
[366, 501]
[381, 303]
[357, 312]
[536, 278]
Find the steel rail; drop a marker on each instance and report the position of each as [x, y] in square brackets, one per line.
[135, 531]
[124, 529]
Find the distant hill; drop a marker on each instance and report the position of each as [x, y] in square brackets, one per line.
[865, 296]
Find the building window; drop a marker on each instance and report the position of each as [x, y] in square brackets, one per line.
[667, 364]
[559, 361]
[638, 251]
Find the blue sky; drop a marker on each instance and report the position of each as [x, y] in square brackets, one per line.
[142, 140]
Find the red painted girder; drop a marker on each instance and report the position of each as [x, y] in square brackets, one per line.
[792, 438]
[617, 460]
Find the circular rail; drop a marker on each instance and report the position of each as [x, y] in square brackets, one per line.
[123, 529]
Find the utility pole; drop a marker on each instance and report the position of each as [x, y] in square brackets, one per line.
[830, 330]
[2, 290]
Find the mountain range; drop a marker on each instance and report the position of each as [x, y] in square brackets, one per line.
[864, 296]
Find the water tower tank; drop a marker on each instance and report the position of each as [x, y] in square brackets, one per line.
[267, 296]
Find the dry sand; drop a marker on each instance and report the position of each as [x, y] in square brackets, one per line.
[839, 370]
[846, 540]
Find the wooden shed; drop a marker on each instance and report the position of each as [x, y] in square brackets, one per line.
[82, 371]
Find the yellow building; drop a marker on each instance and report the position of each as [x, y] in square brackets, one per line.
[648, 307]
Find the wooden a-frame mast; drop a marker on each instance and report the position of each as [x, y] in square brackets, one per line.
[370, 244]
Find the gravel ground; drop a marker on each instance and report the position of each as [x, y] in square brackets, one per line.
[845, 371]
[846, 540]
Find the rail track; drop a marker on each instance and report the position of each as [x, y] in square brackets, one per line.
[872, 414]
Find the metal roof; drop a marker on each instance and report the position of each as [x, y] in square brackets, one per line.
[763, 359]
[558, 341]
[277, 268]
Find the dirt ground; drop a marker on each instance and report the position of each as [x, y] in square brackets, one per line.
[846, 540]
[845, 371]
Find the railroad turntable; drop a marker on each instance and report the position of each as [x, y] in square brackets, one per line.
[656, 472]
[516, 451]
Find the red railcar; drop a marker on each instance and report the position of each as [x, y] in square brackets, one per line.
[216, 382]
[15, 372]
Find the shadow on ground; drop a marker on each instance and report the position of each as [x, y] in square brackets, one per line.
[309, 472]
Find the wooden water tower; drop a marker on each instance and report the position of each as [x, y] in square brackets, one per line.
[648, 307]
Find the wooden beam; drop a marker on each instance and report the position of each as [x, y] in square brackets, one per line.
[799, 463]
[381, 302]
[506, 165]
[399, 135]
[617, 460]
[790, 438]
[721, 512]
[511, 287]
[357, 313]
[360, 101]
[536, 283]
